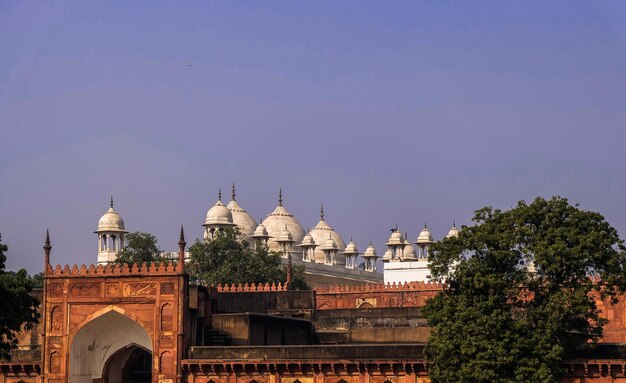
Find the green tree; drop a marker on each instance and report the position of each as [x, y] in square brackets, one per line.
[519, 296]
[228, 258]
[138, 248]
[18, 307]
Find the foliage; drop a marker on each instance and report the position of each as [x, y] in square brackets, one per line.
[520, 292]
[18, 307]
[228, 258]
[138, 248]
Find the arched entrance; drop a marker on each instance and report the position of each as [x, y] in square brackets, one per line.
[132, 364]
[111, 348]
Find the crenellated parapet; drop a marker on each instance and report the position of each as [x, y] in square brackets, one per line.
[152, 268]
[380, 287]
[233, 288]
[374, 295]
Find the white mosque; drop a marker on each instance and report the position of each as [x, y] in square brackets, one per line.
[327, 258]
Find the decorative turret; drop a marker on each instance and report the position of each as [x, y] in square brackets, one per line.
[285, 241]
[424, 240]
[111, 233]
[454, 232]
[330, 251]
[320, 234]
[308, 246]
[260, 235]
[217, 218]
[395, 246]
[351, 254]
[370, 257]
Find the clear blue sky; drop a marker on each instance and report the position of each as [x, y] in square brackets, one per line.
[387, 112]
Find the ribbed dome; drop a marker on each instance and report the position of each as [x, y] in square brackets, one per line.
[111, 221]
[242, 219]
[320, 234]
[275, 223]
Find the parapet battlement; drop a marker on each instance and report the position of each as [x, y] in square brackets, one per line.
[152, 268]
[380, 287]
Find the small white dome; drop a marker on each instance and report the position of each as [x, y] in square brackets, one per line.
[330, 244]
[424, 236]
[409, 252]
[370, 251]
[111, 221]
[387, 255]
[219, 215]
[260, 232]
[454, 232]
[395, 238]
[351, 249]
[285, 236]
[307, 241]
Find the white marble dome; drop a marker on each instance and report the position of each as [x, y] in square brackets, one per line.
[424, 236]
[409, 252]
[219, 215]
[395, 238]
[275, 223]
[242, 219]
[370, 251]
[308, 241]
[320, 234]
[260, 231]
[454, 232]
[351, 248]
[111, 221]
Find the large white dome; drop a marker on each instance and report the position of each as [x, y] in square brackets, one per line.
[275, 223]
[320, 234]
[242, 219]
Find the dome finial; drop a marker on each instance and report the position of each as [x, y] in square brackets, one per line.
[454, 223]
[280, 197]
[425, 227]
[111, 202]
[219, 194]
[322, 212]
[232, 194]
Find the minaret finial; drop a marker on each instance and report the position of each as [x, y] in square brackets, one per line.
[232, 194]
[322, 211]
[280, 197]
[454, 223]
[219, 194]
[425, 227]
[46, 249]
[396, 228]
[111, 202]
[181, 249]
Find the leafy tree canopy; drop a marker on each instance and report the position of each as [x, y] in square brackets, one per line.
[228, 258]
[520, 292]
[18, 307]
[138, 248]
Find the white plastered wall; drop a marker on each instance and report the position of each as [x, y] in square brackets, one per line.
[98, 340]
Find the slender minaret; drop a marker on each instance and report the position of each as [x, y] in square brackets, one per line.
[181, 250]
